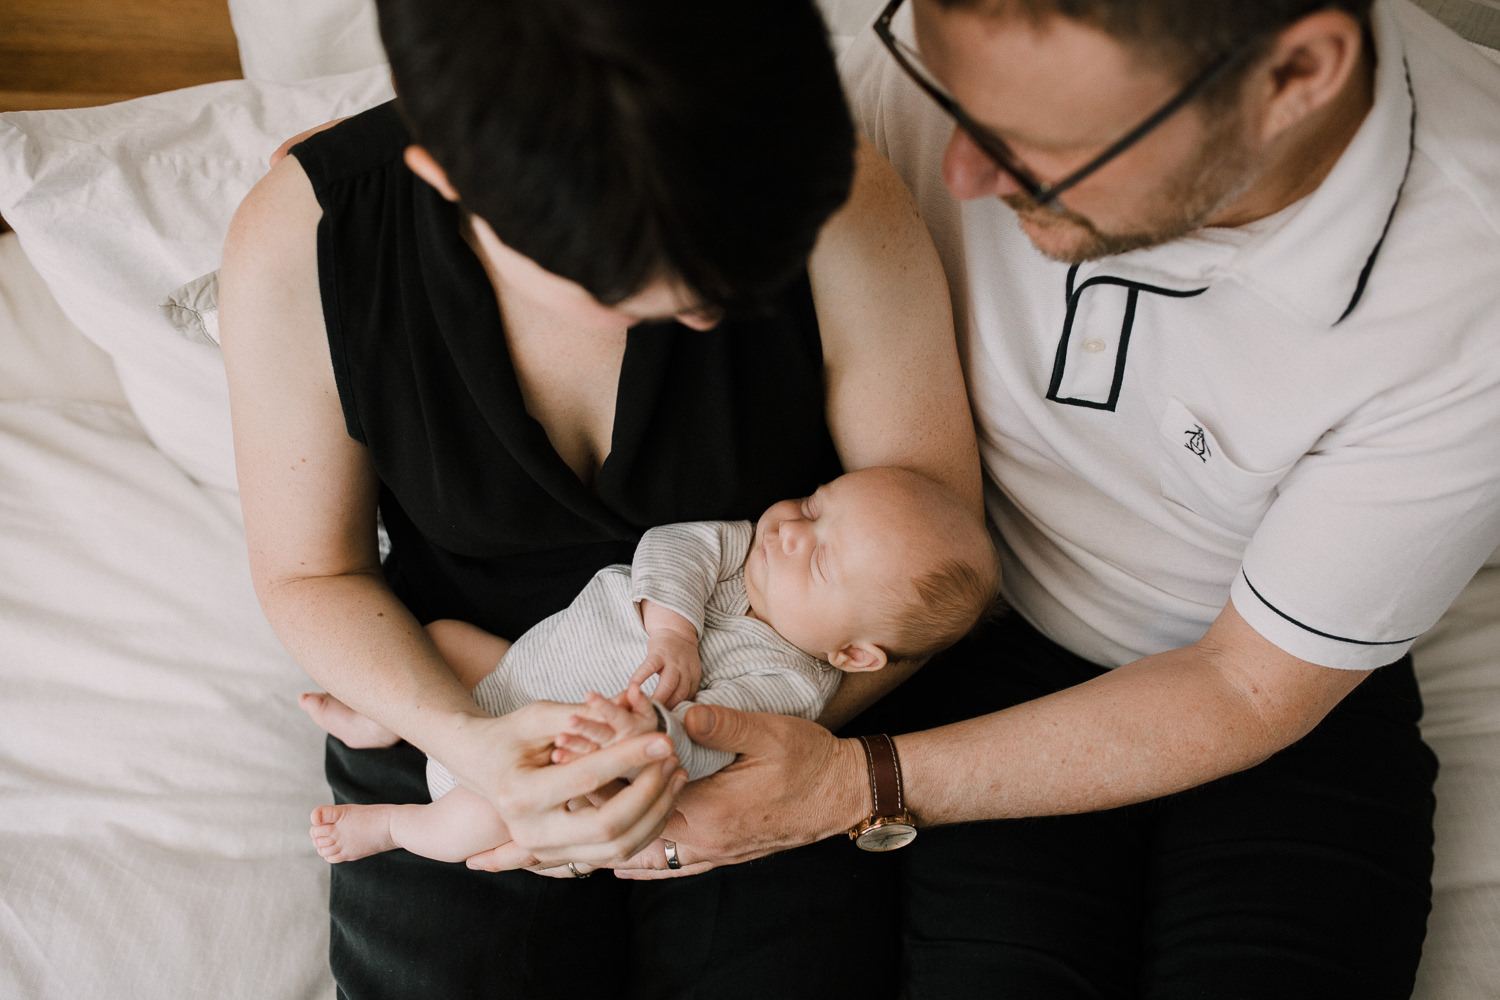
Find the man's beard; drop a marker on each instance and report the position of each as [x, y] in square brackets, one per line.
[1188, 201]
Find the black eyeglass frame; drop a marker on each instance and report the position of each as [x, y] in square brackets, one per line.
[995, 148]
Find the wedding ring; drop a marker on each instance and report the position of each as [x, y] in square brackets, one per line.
[573, 867]
[673, 861]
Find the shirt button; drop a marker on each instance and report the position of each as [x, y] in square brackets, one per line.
[1093, 345]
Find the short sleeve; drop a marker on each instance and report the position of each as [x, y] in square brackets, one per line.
[1376, 531]
[678, 565]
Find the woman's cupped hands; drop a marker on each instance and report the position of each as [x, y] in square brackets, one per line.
[590, 811]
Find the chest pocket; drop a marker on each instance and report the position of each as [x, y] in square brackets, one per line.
[1195, 473]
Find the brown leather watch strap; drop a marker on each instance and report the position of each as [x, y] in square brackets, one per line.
[886, 793]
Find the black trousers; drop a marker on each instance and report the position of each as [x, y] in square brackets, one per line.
[1308, 876]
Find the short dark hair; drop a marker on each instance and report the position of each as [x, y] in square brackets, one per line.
[618, 142]
[1188, 33]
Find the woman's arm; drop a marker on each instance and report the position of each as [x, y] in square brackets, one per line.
[308, 490]
[309, 495]
[895, 388]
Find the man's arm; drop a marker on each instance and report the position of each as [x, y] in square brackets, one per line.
[1150, 728]
[1159, 725]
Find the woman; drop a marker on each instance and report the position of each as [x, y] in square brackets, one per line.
[590, 279]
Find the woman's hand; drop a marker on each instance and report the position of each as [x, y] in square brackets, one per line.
[793, 783]
[546, 805]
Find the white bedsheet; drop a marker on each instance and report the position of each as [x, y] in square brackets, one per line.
[155, 773]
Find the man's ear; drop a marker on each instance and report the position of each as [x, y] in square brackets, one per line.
[421, 163]
[1308, 67]
[858, 657]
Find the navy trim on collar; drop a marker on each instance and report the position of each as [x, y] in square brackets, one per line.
[1060, 360]
[1411, 149]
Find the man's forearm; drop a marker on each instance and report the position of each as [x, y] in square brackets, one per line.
[1150, 728]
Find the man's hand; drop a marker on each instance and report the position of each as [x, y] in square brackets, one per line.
[793, 783]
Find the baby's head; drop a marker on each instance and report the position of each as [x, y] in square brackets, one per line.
[879, 564]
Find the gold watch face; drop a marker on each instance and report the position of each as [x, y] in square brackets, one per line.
[886, 836]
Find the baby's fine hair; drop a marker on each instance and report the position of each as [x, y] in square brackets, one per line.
[950, 601]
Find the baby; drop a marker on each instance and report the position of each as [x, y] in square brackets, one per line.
[879, 564]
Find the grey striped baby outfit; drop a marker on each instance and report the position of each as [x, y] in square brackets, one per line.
[697, 570]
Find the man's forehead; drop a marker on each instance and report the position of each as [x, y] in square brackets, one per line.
[1029, 76]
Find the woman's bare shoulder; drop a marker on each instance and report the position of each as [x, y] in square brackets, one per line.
[268, 282]
[279, 214]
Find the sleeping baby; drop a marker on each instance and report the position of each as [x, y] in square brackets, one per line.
[879, 564]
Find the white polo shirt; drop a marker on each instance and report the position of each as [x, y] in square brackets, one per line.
[1301, 416]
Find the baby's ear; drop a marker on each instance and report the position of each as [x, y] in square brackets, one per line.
[858, 656]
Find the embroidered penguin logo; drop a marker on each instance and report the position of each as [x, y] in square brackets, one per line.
[1197, 443]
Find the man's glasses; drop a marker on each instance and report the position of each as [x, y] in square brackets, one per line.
[995, 147]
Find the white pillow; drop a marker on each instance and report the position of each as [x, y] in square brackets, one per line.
[284, 41]
[119, 205]
[42, 356]
[193, 309]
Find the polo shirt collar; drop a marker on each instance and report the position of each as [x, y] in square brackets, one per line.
[1318, 262]
[1313, 258]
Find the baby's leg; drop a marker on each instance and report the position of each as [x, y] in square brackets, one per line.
[455, 827]
[338, 719]
[471, 653]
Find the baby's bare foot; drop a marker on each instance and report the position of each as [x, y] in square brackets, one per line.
[348, 833]
[338, 719]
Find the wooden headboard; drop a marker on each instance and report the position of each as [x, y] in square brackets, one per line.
[78, 53]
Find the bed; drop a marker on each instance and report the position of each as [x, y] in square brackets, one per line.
[155, 773]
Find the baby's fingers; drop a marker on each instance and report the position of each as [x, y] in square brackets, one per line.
[589, 727]
[616, 716]
[570, 747]
[672, 688]
[649, 668]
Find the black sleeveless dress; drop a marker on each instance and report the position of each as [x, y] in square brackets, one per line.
[489, 525]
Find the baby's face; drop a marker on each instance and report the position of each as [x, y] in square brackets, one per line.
[818, 565]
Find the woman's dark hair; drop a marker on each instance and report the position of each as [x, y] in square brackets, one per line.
[617, 142]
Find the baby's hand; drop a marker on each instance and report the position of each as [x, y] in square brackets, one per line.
[604, 721]
[671, 656]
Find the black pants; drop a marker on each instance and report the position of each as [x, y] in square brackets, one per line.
[1305, 877]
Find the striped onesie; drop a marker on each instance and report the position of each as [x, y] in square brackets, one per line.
[696, 569]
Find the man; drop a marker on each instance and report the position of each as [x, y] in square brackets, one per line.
[1224, 276]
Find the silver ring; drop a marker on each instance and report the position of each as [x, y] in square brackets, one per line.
[573, 867]
[673, 861]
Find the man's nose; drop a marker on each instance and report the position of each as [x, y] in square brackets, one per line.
[970, 173]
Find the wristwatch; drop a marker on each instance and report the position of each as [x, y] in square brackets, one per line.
[890, 826]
